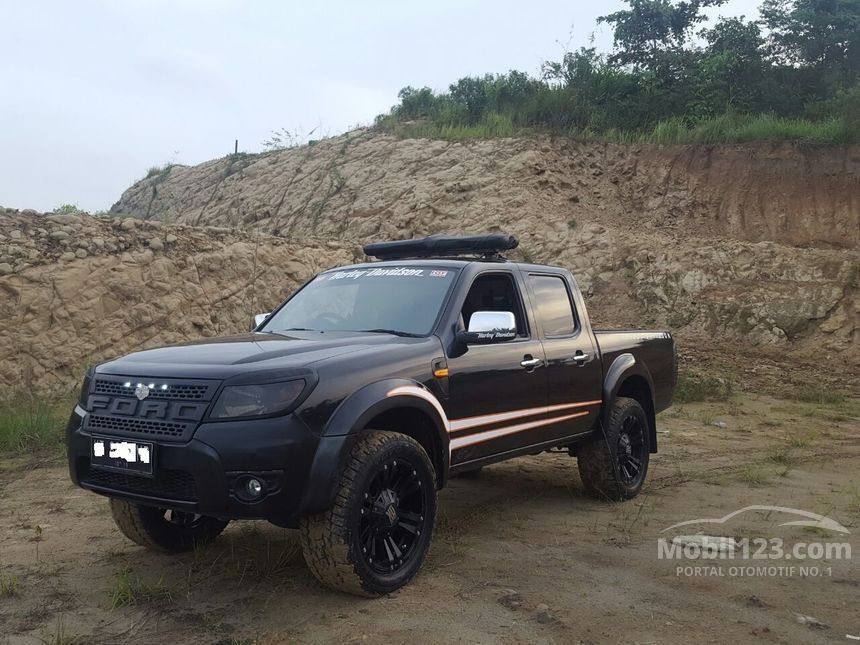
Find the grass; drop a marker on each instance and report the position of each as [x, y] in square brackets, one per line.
[735, 129]
[819, 396]
[729, 128]
[130, 590]
[818, 531]
[493, 126]
[32, 424]
[754, 474]
[160, 172]
[703, 387]
[8, 586]
[800, 440]
[706, 417]
[62, 637]
[252, 555]
[785, 459]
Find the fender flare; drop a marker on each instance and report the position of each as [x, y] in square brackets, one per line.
[350, 420]
[624, 366]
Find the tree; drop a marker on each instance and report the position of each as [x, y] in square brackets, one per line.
[650, 29]
[730, 74]
[824, 34]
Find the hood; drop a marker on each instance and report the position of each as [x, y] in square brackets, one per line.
[231, 355]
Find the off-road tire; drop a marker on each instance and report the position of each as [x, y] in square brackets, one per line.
[330, 540]
[149, 527]
[599, 467]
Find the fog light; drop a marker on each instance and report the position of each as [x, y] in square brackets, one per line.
[253, 488]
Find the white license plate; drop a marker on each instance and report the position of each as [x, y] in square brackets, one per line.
[123, 454]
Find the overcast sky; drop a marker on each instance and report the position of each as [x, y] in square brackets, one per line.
[97, 91]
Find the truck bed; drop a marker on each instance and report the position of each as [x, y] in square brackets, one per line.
[654, 349]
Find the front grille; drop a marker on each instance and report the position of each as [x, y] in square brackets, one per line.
[136, 426]
[174, 392]
[170, 411]
[169, 484]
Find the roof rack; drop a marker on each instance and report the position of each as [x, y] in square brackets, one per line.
[487, 247]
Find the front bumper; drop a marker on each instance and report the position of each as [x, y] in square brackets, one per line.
[199, 475]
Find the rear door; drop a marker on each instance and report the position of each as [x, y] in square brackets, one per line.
[494, 390]
[573, 371]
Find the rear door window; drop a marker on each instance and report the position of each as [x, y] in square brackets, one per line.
[553, 307]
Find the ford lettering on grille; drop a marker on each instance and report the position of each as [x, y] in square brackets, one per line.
[171, 411]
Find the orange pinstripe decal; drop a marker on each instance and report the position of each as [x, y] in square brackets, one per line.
[472, 422]
[480, 437]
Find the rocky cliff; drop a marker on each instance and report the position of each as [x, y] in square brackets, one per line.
[77, 289]
[748, 253]
[733, 246]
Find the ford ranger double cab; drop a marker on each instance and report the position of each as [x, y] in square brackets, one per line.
[348, 407]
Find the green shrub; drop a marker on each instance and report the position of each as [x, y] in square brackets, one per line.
[696, 387]
[31, 423]
[813, 394]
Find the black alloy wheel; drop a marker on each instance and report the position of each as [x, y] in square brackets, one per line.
[375, 537]
[392, 516]
[630, 451]
[613, 463]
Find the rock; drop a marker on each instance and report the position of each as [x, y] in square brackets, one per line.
[707, 543]
[98, 242]
[720, 424]
[156, 244]
[811, 622]
[81, 253]
[59, 235]
[128, 224]
[68, 256]
[511, 599]
[545, 618]
[65, 218]
[170, 238]
[29, 212]
[5, 268]
[16, 234]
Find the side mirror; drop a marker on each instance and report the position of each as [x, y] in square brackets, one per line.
[259, 319]
[487, 327]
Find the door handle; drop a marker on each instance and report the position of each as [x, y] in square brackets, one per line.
[530, 362]
[581, 358]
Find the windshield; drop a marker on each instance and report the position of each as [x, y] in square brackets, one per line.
[390, 299]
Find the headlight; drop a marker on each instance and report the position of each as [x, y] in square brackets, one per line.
[256, 400]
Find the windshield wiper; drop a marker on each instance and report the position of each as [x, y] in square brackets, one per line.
[283, 332]
[396, 332]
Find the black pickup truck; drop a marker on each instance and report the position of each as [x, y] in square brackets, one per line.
[346, 409]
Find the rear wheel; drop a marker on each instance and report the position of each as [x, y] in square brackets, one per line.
[162, 529]
[375, 538]
[615, 466]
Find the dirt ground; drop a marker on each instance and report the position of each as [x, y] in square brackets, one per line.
[520, 553]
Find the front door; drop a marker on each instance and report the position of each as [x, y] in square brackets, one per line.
[496, 389]
[573, 371]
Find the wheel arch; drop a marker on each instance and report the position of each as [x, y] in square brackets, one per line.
[630, 378]
[398, 405]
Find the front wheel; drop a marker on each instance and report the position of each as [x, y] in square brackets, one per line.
[615, 465]
[164, 530]
[375, 538]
